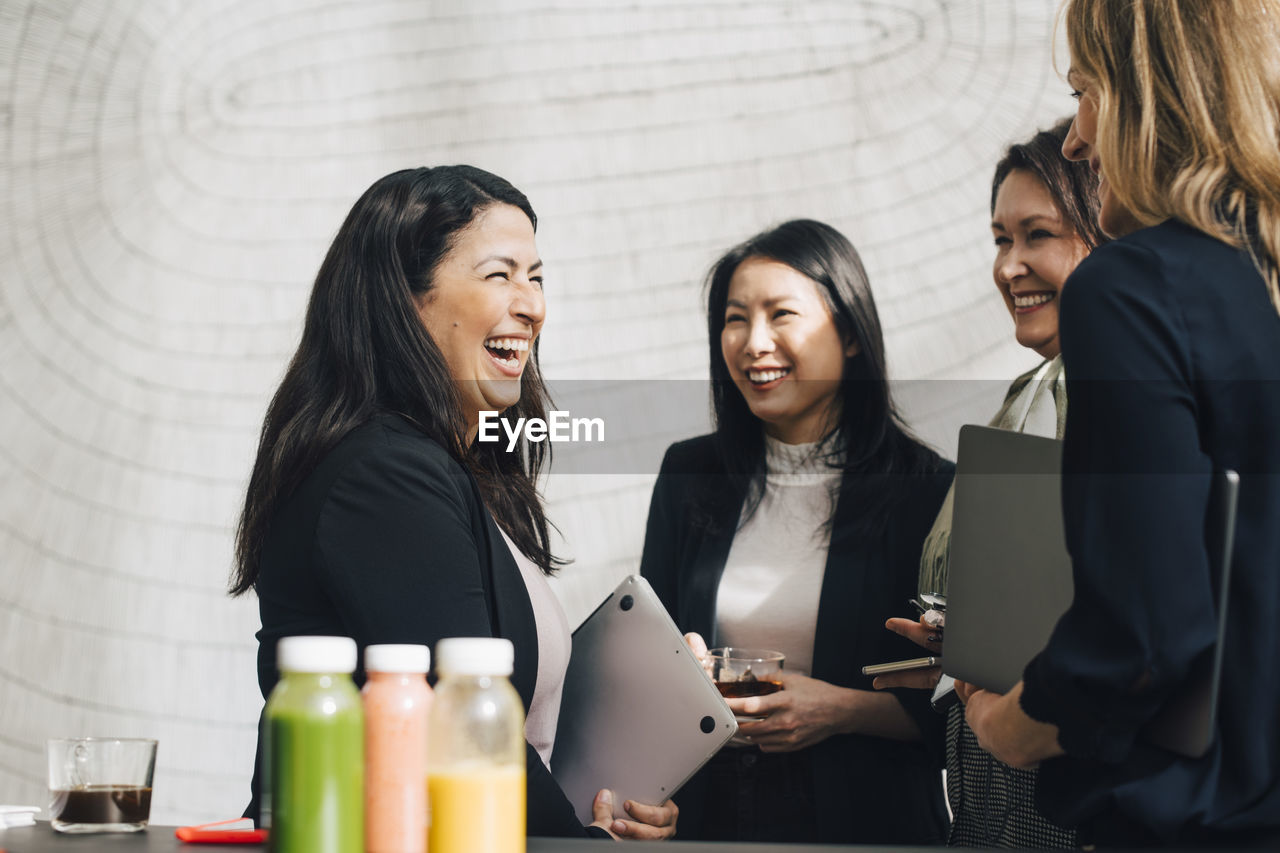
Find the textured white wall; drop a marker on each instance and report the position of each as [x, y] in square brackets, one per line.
[171, 174]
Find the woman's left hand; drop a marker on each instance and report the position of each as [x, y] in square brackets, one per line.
[649, 823]
[979, 705]
[964, 690]
[1004, 730]
[804, 712]
[981, 712]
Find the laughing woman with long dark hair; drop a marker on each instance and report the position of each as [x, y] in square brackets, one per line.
[372, 512]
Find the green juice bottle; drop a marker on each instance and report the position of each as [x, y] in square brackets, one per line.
[314, 794]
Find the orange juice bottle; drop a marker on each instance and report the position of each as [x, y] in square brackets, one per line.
[476, 749]
[397, 701]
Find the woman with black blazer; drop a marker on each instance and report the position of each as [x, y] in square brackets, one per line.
[372, 512]
[797, 526]
[1171, 344]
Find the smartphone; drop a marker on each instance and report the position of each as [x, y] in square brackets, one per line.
[901, 665]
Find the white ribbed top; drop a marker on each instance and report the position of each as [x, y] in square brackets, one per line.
[772, 580]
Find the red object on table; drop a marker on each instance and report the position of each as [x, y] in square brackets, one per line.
[205, 833]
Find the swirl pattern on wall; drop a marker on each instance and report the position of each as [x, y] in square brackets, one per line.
[172, 172]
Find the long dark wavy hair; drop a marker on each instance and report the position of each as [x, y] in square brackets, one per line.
[874, 438]
[365, 352]
[1072, 184]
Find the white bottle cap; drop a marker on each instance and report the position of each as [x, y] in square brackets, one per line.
[316, 654]
[397, 658]
[475, 656]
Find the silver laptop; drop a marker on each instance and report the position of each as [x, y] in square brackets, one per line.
[639, 715]
[1010, 575]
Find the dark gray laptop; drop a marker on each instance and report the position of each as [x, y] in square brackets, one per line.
[1010, 574]
[638, 714]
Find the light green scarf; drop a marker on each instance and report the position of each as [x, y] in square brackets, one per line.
[1025, 409]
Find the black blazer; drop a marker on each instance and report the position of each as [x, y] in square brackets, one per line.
[868, 789]
[388, 541]
[1171, 348]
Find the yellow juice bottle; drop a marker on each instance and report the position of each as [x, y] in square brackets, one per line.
[476, 751]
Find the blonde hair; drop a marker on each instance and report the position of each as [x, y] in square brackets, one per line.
[1188, 95]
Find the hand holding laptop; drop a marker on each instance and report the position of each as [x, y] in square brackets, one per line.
[612, 732]
[647, 823]
[965, 691]
[698, 646]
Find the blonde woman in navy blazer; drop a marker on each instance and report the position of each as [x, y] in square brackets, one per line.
[1171, 345]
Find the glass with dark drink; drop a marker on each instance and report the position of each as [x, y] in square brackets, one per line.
[739, 672]
[100, 784]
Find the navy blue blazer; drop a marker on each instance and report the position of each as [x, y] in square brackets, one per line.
[389, 541]
[869, 789]
[1172, 354]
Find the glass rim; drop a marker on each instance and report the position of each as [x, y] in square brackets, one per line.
[150, 740]
[738, 653]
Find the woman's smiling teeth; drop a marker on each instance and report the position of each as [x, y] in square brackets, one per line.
[761, 377]
[1031, 300]
[506, 350]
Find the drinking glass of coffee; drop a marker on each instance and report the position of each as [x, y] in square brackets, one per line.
[739, 672]
[100, 784]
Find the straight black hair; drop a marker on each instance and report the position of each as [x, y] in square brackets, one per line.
[365, 351]
[872, 435]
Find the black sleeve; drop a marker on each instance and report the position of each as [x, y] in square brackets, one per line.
[397, 552]
[912, 526]
[658, 561]
[549, 811]
[1134, 496]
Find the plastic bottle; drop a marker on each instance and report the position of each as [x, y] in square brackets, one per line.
[476, 750]
[314, 793]
[397, 701]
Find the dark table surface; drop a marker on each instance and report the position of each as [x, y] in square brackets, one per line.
[42, 839]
